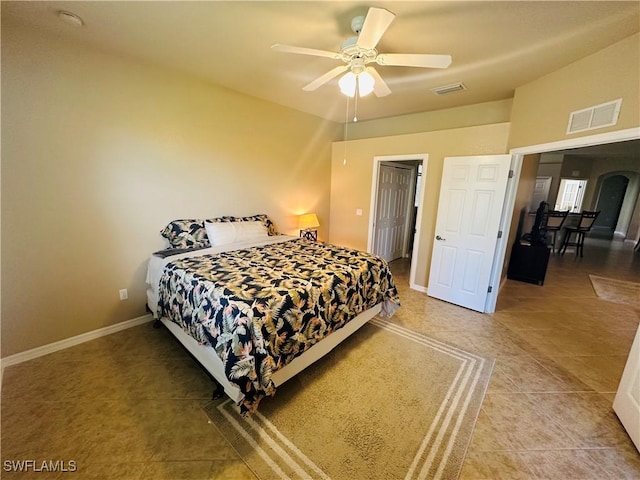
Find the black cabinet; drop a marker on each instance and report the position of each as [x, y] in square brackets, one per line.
[528, 263]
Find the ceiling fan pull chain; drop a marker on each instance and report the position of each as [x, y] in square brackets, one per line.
[355, 108]
[346, 123]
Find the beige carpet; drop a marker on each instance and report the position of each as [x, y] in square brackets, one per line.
[386, 404]
[617, 291]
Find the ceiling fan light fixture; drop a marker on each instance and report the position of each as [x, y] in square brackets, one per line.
[365, 84]
[348, 84]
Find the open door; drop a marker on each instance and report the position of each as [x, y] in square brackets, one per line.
[472, 194]
[395, 185]
[627, 401]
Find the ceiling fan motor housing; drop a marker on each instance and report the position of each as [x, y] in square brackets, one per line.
[349, 51]
[357, 23]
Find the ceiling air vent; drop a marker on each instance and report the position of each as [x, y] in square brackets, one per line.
[445, 89]
[599, 116]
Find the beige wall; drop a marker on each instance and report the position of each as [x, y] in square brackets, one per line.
[467, 116]
[541, 108]
[521, 221]
[100, 152]
[351, 183]
[550, 166]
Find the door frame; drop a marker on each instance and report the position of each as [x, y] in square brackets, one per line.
[377, 160]
[516, 165]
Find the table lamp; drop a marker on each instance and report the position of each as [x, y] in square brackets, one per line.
[307, 224]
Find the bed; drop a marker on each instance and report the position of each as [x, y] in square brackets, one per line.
[255, 307]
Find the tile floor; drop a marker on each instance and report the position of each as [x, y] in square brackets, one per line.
[128, 406]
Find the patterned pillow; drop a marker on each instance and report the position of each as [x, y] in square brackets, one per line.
[266, 221]
[187, 233]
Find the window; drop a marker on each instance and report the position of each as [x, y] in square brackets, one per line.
[570, 195]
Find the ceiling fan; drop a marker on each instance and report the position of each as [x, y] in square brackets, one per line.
[359, 51]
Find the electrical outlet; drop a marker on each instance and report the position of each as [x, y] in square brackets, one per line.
[124, 294]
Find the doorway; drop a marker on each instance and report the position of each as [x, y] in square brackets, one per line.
[609, 138]
[608, 181]
[609, 204]
[411, 238]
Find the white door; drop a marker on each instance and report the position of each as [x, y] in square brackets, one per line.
[540, 192]
[472, 193]
[627, 401]
[392, 208]
[570, 195]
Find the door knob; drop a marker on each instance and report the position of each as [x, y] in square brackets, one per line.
[438, 237]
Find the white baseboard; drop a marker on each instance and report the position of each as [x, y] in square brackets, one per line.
[419, 288]
[70, 342]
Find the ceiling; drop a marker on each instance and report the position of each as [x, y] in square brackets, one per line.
[496, 46]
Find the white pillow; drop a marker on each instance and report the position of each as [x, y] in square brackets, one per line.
[222, 233]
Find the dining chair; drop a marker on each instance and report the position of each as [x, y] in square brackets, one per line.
[587, 220]
[554, 222]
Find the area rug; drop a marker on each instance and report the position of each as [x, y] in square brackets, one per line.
[617, 291]
[387, 403]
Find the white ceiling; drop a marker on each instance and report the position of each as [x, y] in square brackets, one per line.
[496, 46]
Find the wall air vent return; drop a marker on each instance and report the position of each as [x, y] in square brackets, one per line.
[599, 116]
[445, 89]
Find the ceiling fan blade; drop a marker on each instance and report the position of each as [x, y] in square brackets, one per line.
[380, 88]
[334, 72]
[375, 24]
[305, 51]
[414, 60]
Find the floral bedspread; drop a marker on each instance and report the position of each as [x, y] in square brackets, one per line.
[261, 307]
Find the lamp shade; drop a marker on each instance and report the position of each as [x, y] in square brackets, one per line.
[309, 220]
[348, 84]
[365, 84]
[362, 83]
